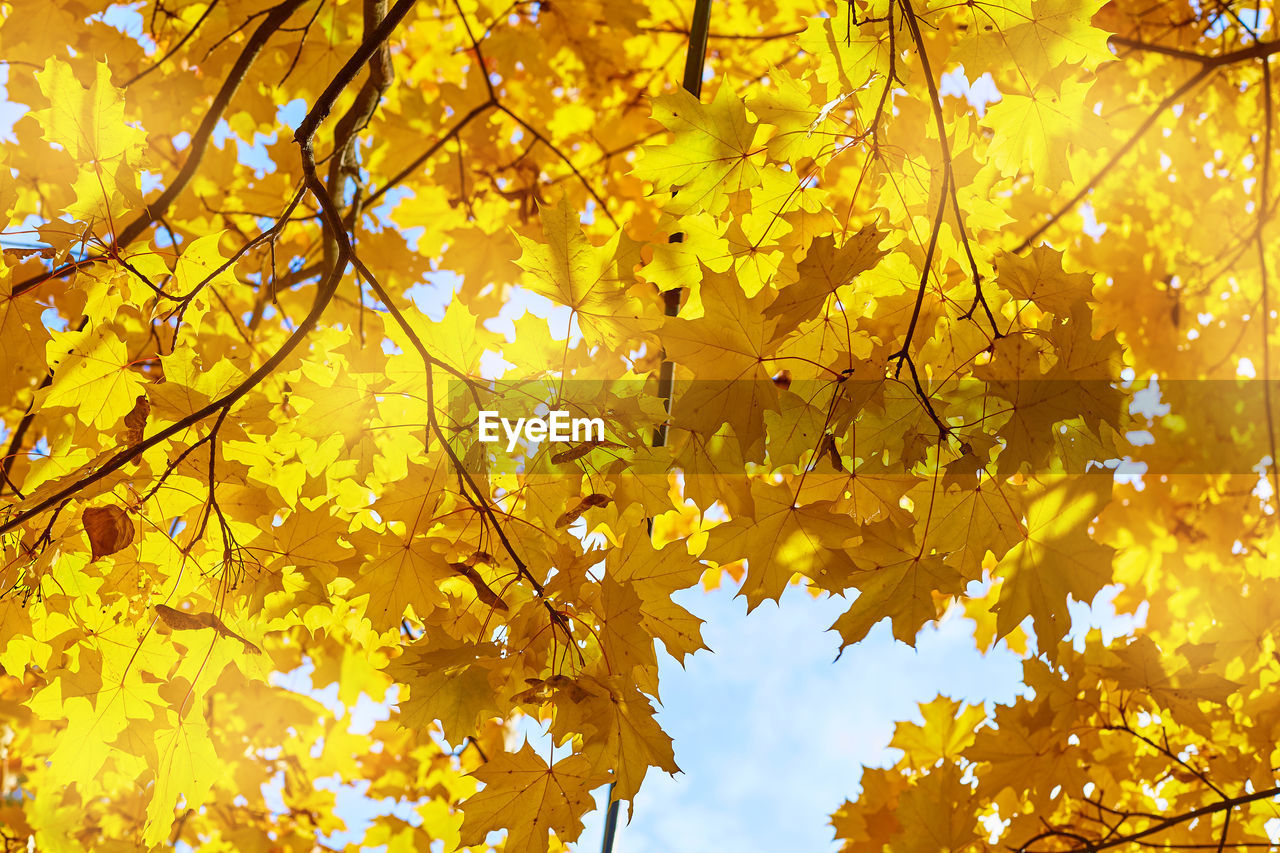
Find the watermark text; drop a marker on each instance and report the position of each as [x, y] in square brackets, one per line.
[556, 426]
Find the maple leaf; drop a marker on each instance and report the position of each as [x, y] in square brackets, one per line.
[895, 578]
[1036, 35]
[450, 684]
[947, 731]
[803, 130]
[655, 575]
[622, 736]
[1040, 278]
[709, 158]
[591, 280]
[780, 539]
[525, 796]
[623, 641]
[823, 271]
[88, 122]
[187, 770]
[931, 828]
[94, 379]
[966, 523]
[1016, 752]
[1033, 131]
[1056, 559]
[1171, 682]
[22, 341]
[850, 56]
[728, 346]
[398, 573]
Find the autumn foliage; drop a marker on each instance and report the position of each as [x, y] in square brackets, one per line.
[938, 349]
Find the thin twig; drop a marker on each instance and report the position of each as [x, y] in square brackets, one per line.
[199, 144]
[177, 47]
[1208, 65]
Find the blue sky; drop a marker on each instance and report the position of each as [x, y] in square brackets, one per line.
[770, 730]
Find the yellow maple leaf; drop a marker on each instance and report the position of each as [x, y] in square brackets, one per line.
[1039, 277]
[591, 280]
[825, 269]
[1055, 560]
[525, 796]
[89, 122]
[94, 379]
[1034, 132]
[946, 732]
[850, 55]
[655, 575]
[189, 767]
[626, 740]
[779, 539]
[399, 572]
[726, 348]
[710, 157]
[937, 812]
[22, 341]
[895, 578]
[1036, 35]
[449, 684]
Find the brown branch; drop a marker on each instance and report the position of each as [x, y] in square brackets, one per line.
[1159, 826]
[333, 220]
[1208, 64]
[1120, 154]
[342, 161]
[302, 42]
[413, 166]
[1258, 50]
[324, 104]
[1238, 845]
[538, 135]
[471, 492]
[177, 47]
[1167, 752]
[935, 103]
[475, 47]
[903, 353]
[199, 144]
[1226, 827]
[1149, 47]
[270, 234]
[1264, 192]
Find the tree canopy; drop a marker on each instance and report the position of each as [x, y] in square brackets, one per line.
[968, 313]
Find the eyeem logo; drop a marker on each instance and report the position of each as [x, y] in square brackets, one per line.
[557, 426]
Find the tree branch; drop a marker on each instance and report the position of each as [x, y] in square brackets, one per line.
[333, 220]
[1120, 154]
[199, 144]
[1159, 826]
